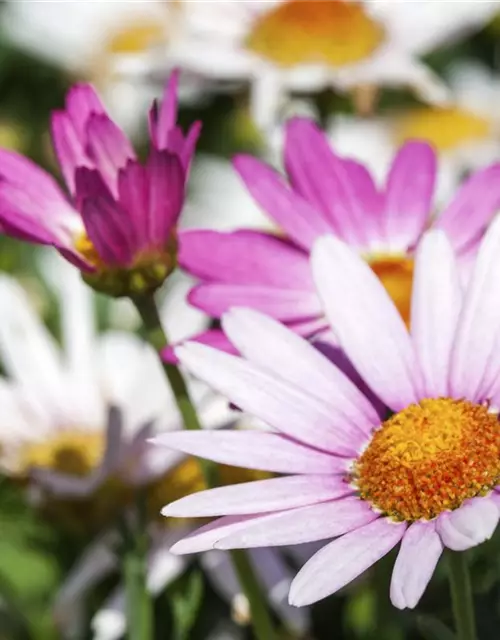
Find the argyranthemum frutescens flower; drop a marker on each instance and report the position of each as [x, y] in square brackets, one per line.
[326, 193]
[120, 226]
[305, 46]
[55, 429]
[428, 476]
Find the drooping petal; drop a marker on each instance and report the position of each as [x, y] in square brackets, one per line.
[408, 194]
[260, 496]
[305, 524]
[476, 334]
[472, 209]
[253, 450]
[343, 560]
[273, 347]
[285, 304]
[282, 405]
[435, 309]
[367, 324]
[244, 257]
[418, 556]
[471, 524]
[166, 195]
[299, 219]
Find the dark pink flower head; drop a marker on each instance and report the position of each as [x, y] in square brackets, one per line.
[119, 224]
[326, 194]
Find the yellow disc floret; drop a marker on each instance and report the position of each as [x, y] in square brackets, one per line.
[429, 458]
[396, 274]
[331, 32]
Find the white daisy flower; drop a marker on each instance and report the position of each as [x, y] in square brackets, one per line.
[285, 46]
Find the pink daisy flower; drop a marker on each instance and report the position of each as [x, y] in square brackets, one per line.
[427, 477]
[118, 225]
[327, 194]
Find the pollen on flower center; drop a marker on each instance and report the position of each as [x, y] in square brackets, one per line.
[396, 274]
[445, 128]
[332, 32]
[73, 452]
[84, 246]
[429, 458]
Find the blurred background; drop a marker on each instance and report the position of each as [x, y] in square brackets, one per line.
[122, 48]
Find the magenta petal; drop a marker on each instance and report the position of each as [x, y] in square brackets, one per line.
[283, 304]
[108, 147]
[305, 524]
[104, 223]
[408, 194]
[301, 220]
[69, 147]
[244, 257]
[18, 170]
[472, 208]
[213, 338]
[418, 556]
[133, 197]
[253, 450]
[343, 560]
[82, 101]
[166, 195]
[325, 180]
[163, 117]
[260, 496]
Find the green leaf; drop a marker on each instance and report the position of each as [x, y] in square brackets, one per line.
[186, 603]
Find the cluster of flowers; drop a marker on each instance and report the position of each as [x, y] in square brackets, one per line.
[345, 362]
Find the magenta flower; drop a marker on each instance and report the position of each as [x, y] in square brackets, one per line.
[118, 224]
[428, 477]
[326, 194]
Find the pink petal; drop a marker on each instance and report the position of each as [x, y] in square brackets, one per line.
[244, 257]
[103, 221]
[436, 304]
[260, 496]
[213, 338]
[164, 117]
[253, 450]
[471, 373]
[285, 304]
[320, 177]
[409, 192]
[300, 220]
[275, 348]
[280, 404]
[166, 195]
[82, 101]
[133, 196]
[69, 147]
[471, 524]
[343, 560]
[205, 537]
[297, 526]
[108, 147]
[366, 322]
[418, 556]
[472, 208]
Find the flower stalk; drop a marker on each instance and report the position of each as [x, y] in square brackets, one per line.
[461, 595]
[154, 333]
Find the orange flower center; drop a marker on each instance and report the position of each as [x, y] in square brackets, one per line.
[396, 274]
[429, 458]
[331, 32]
[446, 128]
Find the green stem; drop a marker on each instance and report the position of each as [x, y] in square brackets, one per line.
[156, 336]
[261, 620]
[139, 605]
[461, 596]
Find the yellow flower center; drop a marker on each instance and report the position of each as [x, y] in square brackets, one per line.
[445, 128]
[72, 452]
[136, 38]
[396, 274]
[330, 32]
[429, 458]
